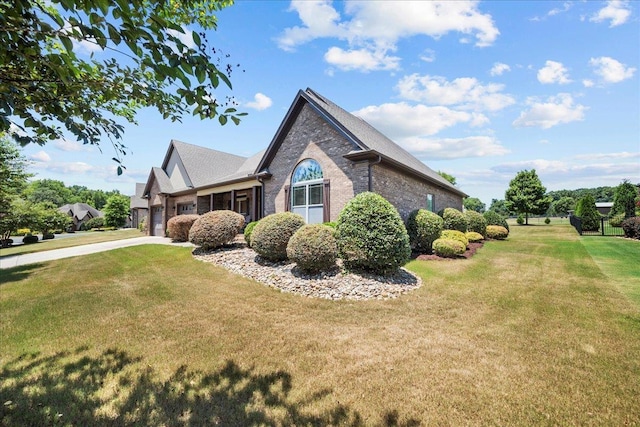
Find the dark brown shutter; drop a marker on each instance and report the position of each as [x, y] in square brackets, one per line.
[287, 198]
[326, 197]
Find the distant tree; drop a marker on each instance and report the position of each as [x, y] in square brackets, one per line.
[48, 190]
[624, 199]
[13, 180]
[473, 204]
[116, 211]
[563, 205]
[48, 218]
[450, 178]
[526, 195]
[588, 213]
[21, 214]
[500, 207]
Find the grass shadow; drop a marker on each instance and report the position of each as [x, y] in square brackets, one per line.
[16, 274]
[115, 388]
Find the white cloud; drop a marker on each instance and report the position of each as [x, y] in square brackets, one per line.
[428, 55]
[40, 156]
[260, 102]
[361, 59]
[68, 145]
[64, 168]
[610, 70]
[601, 156]
[464, 92]
[556, 110]
[453, 148]
[557, 10]
[616, 11]
[499, 68]
[186, 37]
[553, 72]
[587, 83]
[319, 19]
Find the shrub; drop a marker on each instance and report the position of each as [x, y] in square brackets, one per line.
[143, 225]
[247, 232]
[454, 220]
[494, 218]
[29, 238]
[547, 221]
[178, 227]
[476, 222]
[473, 237]
[331, 224]
[423, 228]
[5, 243]
[313, 248]
[48, 236]
[371, 235]
[215, 228]
[616, 220]
[448, 248]
[271, 235]
[497, 232]
[586, 210]
[455, 235]
[520, 219]
[97, 222]
[23, 232]
[631, 227]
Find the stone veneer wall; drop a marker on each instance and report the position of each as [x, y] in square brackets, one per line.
[312, 137]
[407, 193]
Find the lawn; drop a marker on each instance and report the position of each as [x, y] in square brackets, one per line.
[530, 331]
[83, 238]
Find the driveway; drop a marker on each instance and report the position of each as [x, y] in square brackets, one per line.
[17, 260]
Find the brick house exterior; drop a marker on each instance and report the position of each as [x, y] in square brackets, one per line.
[320, 157]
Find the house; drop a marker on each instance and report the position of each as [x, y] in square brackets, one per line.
[79, 213]
[320, 157]
[604, 207]
[139, 206]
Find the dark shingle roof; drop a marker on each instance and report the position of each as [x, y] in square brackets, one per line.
[164, 183]
[137, 201]
[80, 211]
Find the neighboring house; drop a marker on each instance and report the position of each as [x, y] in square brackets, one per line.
[320, 157]
[139, 206]
[79, 213]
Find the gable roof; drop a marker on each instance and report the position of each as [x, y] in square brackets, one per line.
[367, 141]
[137, 200]
[80, 210]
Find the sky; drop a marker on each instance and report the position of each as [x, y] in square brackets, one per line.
[478, 89]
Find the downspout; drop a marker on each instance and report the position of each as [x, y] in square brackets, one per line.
[261, 214]
[370, 169]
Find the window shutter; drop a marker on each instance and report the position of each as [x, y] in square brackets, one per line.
[287, 198]
[326, 211]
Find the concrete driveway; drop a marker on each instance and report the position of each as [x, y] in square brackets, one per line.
[17, 260]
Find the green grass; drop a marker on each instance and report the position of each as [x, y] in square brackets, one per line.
[84, 238]
[530, 331]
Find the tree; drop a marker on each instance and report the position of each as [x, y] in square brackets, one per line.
[20, 215]
[116, 211]
[48, 218]
[624, 200]
[563, 205]
[473, 204]
[499, 207]
[526, 195]
[586, 210]
[145, 60]
[450, 178]
[13, 179]
[48, 190]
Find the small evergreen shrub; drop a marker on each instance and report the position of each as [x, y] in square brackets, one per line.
[247, 232]
[271, 235]
[476, 222]
[178, 227]
[313, 248]
[97, 222]
[48, 236]
[216, 228]
[423, 228]
[520, 219]
[494, 218]
[143, 225]
[588, 213]
[331, 224]
[455, 235]
[448, 248]
[29, 238]
[631, 227]
[497, 232]
[454, 220]
[616, 220]
[474, 237]
[547, 221]
[371, 235]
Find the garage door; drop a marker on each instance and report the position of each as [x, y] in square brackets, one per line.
[156, 221]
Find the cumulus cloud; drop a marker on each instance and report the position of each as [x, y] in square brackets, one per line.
[610, 70]
[464, 92]
[587, 83]
[68, 145]
[616, 11]
[556, 110]
[361, 59]
[260, 102]
[453, 148]
[499, 68]
[608, 156]
[40, 156]
[553, 72]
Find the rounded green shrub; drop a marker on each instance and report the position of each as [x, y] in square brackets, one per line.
[631, 227]
[423, 228]
[29, 238]
[547, 221]
[48, 236]
[448, 248]
[588, 213]
[455, 235]
[476, 222]
[97, 222]
[616, 220]
[313, 248]
[474, 237]
[497, 232]
[494, 218]
[520, 219]
[371, 235]
[454, 220]
[216, 228]
[178, 227]
[247, 232]
[271, 235]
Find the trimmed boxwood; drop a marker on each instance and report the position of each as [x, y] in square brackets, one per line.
[497, 232]
[313, 248]
[29, 238]
[476, 222]
[448, 248]
[271, 235]
[215, 228]
[178, 227]
[454, 220]
[48, 236]
[247, 232]
[494, 218]
[455, 235]
[97, 222]
[423, 228]
[371, 235]
[474, 237]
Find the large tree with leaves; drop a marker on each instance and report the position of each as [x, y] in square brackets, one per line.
[146, 57]
[13, 179]
[526, 195]
[624, 199]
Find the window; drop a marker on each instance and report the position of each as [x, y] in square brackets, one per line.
[430, 205]
[307, 191]
[185, 209]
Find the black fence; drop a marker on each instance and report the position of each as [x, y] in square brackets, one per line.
[604, 229]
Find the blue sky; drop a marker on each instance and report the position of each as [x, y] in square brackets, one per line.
[480, 90]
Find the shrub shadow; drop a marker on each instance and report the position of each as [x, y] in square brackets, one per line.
[16, 274]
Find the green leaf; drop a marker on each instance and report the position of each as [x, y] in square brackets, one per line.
[119, 170]
[68, 44]
[222, 119]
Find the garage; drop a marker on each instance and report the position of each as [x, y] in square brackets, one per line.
[157, 228]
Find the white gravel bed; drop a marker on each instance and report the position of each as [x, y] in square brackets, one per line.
[285, 276]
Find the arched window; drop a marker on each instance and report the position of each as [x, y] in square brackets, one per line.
[307, 191]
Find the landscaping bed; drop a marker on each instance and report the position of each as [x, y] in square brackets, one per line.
[471, 250]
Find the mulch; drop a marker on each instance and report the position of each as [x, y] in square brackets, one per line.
[471, 250]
